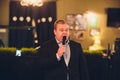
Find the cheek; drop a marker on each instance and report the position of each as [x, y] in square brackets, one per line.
[67, 33]
[60, 34]
[57, 34]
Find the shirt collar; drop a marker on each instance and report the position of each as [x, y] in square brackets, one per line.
[59, 42]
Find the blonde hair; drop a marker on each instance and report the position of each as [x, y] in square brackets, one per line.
[59, 22]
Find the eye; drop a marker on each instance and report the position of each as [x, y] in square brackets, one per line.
[67, 30]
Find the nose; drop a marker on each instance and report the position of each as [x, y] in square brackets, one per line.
[64, 33]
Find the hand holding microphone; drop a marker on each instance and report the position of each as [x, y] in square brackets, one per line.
[62, 48]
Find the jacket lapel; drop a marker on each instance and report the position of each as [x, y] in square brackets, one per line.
[71, 53]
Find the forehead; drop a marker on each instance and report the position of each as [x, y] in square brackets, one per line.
[62, 26]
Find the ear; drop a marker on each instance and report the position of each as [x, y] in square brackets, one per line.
[54, 32]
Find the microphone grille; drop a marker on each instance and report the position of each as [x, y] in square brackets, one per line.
[64, 40]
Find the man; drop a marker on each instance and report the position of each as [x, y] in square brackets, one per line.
[62, 61]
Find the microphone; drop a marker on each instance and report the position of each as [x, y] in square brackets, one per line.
[64, 40]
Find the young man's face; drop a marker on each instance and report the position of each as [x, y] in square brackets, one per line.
[61, 30]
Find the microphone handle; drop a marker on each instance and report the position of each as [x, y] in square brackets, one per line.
[64, 40]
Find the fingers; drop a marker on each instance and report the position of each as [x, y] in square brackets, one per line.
[61, 50]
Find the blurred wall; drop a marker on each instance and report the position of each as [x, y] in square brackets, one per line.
[107, 34]
[4, 12]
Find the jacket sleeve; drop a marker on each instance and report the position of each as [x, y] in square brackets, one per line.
[47, 57]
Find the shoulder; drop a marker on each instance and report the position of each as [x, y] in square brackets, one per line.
[46, 45]
[75, 43]
[49, 42]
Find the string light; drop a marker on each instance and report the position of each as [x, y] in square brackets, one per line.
[37, 3]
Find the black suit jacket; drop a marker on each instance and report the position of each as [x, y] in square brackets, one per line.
[57, 70]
